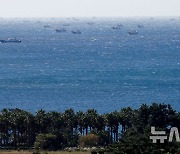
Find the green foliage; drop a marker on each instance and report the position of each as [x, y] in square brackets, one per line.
[123, 131]
[103, 137]
[45, 142]
[135, 139]
[93, 152]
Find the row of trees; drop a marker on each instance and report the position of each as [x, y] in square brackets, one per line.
[19, 128]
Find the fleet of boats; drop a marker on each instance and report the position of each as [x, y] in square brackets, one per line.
[61, 30]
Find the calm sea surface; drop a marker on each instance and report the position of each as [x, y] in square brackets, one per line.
[100, 68]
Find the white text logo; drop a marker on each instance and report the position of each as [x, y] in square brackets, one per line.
[161, 135]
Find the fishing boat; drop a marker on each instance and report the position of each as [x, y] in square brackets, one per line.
[47, 26]
[76, 32]
[133, 32]
[118, 26]
[10, 40]
[90, 23]
[66, 24]
[61, 30]
[140, 26]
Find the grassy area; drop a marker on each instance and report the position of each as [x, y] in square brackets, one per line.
[14, 152]
[49, 152]
[64, 152]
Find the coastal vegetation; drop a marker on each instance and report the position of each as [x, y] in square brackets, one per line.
[123, 131]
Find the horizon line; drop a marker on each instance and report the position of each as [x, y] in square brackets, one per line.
[175, 16]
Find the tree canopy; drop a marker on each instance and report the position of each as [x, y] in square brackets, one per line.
[126, 130]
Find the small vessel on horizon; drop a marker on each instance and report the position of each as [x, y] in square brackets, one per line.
[76, 32]
[61, 30]
[140, 26]
[172, 19]
[133, 32]
[47, 26]
[118, 26]
[75, 19]
[66, 24]
[90, 23]
[10, 40]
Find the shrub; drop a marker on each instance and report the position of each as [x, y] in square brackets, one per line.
[88, 140]
[45, 142]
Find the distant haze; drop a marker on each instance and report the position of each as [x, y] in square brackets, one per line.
[88, 8]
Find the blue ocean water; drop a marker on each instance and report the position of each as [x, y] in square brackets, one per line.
[100, 68]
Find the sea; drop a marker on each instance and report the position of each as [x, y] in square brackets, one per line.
[102, 68]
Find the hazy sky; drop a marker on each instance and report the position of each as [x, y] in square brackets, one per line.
[64, 8]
